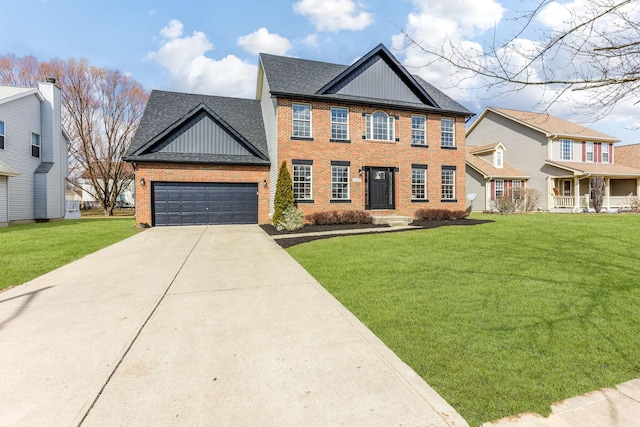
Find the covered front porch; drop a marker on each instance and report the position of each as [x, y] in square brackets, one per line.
[574, 193]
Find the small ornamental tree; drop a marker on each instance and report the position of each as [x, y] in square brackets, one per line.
[597, 192]
[284, 194]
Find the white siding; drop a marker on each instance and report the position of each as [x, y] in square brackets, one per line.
[270, 118]
[4, 202]
[53, 149]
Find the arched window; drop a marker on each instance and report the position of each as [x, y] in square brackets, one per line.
[380, 126]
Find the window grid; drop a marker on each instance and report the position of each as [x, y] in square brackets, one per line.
[35, 145]
[301, 120]
[589, 152]
[1, 134]
[498, 188]
[380, 126]
[566, 149]
[446, 131]
[340, 182]
[339, 123]
[499, 161]
[418, 184]
[448, 184]
[302, 180]
[605, 153]
[418, 135]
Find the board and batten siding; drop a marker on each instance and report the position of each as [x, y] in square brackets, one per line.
[270, 119]
[526, 149]
[21, 117]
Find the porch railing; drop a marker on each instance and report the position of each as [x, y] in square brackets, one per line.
[569, 201]
[564, 201]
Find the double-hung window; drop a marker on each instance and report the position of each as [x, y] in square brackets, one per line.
[380, 126]
[302, 181]
[589, 152]
[418, 182]
[35, 145]
[605, 153]
[418, 131]
[499, 158]
[498, 190]
[1, 134]
[301, 120]
[448, 182]
[566, 149]
[339, 123]
[339, 181]
[447, 133]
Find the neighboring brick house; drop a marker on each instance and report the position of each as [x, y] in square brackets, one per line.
[561, 158]
[33, 154]
[369, 136]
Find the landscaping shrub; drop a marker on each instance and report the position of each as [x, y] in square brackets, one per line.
[517, 200]
[292, 219]
[439, 214]
[284, 194]
[338, 217]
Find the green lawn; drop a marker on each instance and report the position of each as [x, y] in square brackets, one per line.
[31, 250]
[499, 318]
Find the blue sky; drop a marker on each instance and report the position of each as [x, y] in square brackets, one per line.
[211, 46]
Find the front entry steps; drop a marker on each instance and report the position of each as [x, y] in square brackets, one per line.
[392, 220]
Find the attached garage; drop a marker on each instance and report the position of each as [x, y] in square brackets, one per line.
[179, 203]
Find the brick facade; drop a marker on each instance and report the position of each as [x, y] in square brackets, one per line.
[367, 153]
[176, 172]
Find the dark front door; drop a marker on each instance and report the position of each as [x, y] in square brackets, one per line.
[380, 188]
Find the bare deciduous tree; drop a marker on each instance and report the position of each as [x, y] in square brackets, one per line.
[596, 49]
[597, 192]
[101, 112]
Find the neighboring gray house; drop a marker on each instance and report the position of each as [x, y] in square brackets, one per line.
[559, 157]
[33, 154]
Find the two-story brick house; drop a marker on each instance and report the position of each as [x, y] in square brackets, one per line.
[559, 157]
[369, 136]
[33, 154]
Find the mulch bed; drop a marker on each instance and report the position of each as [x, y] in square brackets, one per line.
[291, 241]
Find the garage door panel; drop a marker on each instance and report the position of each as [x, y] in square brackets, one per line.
[204, 203]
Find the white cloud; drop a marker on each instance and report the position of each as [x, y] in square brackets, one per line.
[334, 15]
[191, 71]
[310, 41]
[261, 41]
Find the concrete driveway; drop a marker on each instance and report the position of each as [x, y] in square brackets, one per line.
[197, 326]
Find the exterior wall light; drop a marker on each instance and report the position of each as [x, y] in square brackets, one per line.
[264, 183]
[142, 182]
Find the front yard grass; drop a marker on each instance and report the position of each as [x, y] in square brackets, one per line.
[30, 250]
[500, 318]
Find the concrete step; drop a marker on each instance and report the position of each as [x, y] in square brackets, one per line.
[392, 220]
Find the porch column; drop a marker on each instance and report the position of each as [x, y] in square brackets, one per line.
[607, 193]
[576, 192]
[487, 195]
[637, 187]
[551, 200]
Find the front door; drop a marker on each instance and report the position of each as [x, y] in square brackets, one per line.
[380, 183]
[566, 187]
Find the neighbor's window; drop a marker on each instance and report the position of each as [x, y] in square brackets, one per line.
[340, 182]
[605, 153]
[380, 126]
[302, 120]
[2, 134]
[302, 180]
[35, 145]
[448, 183]
[446, 132]
[498, 188]
[566, 149]
[499, 157]
[339, 123]
[418, 184]
[589, 152]
[418, 134]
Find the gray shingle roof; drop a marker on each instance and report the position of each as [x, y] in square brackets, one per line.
[164, 109]
[304, 78]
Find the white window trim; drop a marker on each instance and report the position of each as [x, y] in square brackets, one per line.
[332, 122]
[453, 185]
[391, 127]
[293, 120]
[423, 130]
[424, 171]
[341, 183]
[452, 132]
[495, 188]
[310, 181]
[499, 159]
[31, 145]
[592, 152]
[570, 142]
[603, 152]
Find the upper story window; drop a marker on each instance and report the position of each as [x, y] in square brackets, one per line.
[447, 133]
[302, 182]
[381, 126]
[589, 152]
[339, 123]
[499, 158]
[605, 153]
[35, 145]
[566, 149]
[418, 130]
[1, 134]
[340, 182]
[301, 120]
